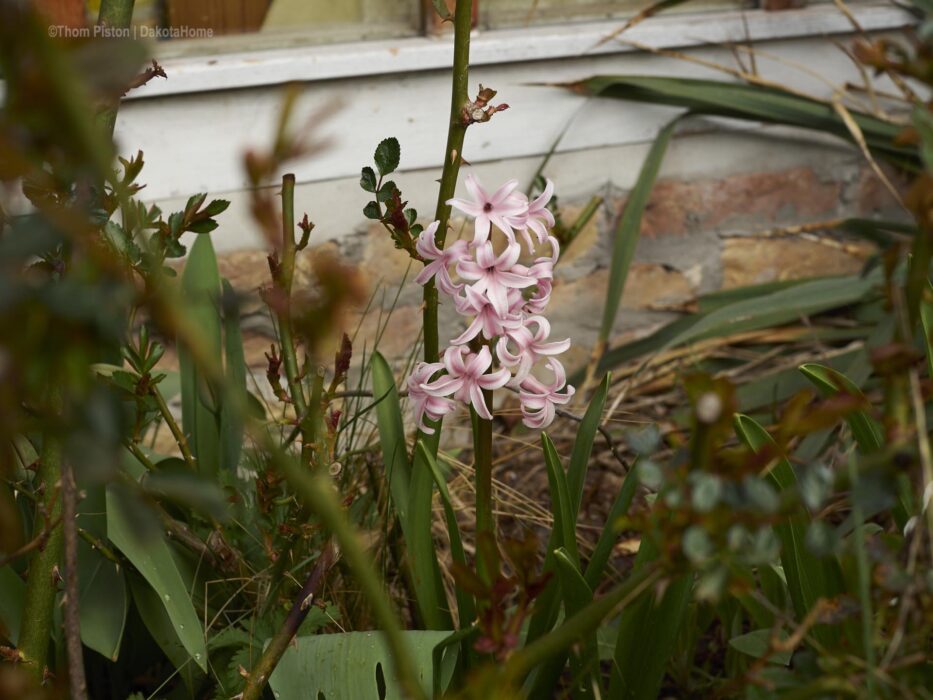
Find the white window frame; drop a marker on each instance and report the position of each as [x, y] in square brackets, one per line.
[244, 69]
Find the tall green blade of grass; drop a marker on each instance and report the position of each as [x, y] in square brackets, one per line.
[867, 432]
[607, 538]
[235, 397]
[391, 436]
[809, 578]
[629, 228]
[200, 409]
[753, 308]
[410, 491]
[648, 631]
[583, 446]
[466, 606]
[757, 103]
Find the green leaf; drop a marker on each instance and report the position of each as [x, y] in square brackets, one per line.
[757, 643]
[12, 599]
[607, 538]
[749, 313]
[217, 206]
[386, 191]
[387, 155]
[756, 103]
[584, 665]
[628, 229]
[235, 404]
[392, 437]
[583, 446]
[337, 666]
[926, 322]
[372, 211]
[466, 606]
[203, 226]
[648, 631]
[564, 522]
[103, 601]
[368, 179]
[808, 577]
[199, 400]
[425, 572]
[103, 597]
[865, 429]
[153, 559]
[165, 633]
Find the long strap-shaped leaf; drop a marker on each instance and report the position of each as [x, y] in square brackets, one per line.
[629, 228]
[868, 433]
[757, 103]
[809, 578]
[411, 492]
[200, 410]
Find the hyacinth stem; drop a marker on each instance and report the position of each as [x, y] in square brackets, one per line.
[482, 465]
[453, 155]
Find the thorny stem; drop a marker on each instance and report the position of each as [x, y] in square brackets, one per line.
[283, 313]
[175, 429]
[579, 625]
[77, 682]
[319, 494]
[41, 585]
[453, 155]
[260, 673]
[115, 14]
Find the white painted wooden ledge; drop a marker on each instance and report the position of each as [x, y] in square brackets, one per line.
[221, 71]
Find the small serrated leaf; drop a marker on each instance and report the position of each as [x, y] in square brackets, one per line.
[217, 206]
[372, 211]
[203, 226]
[368, 179]
[387, 155]
[386, 191]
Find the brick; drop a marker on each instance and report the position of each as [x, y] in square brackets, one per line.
[749, 199]
[757, 260]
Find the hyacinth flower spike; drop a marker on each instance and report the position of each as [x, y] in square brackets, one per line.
[495, 275]
[437, 261]
[539, 400]
[466, 378]
[530, 346]
[503, 209]
[537, 219]
[424, 405]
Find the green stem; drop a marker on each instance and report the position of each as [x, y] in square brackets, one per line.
[579, 625]
[175, 429]
[118, 14]
[283, 313]
[41, 585]
[453, 155]
[319, 494]
[260, 673]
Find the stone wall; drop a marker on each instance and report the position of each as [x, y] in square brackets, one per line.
[699, 234]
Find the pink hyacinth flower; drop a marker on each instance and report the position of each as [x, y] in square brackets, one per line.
[423, 404]
[486, 319]
[503, 209]
[530, 346]
[466, 378]
[495, 275]
[439, 260]
[537, 218]
[538, 400]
